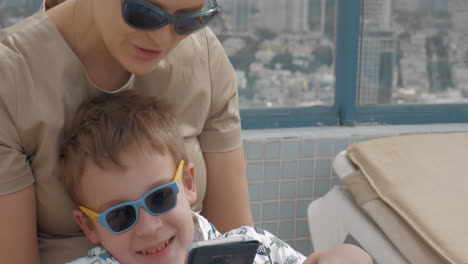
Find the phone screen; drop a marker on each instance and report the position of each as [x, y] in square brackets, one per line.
[223, 259]
[240, 252]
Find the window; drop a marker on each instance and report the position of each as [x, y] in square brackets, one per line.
[284, 55]
[347, 62]
[12, 11]
[413, 52]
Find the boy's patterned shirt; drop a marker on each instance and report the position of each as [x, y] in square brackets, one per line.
[272, 250]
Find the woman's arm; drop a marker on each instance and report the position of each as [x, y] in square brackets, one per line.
[18, 235]
[226, 203]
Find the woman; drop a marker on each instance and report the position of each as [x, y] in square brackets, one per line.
[52, 61]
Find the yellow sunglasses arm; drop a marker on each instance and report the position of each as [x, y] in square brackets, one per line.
[179, 171]
[89, 212]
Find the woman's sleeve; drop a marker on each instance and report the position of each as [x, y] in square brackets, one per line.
[15, 172]
[222, 129]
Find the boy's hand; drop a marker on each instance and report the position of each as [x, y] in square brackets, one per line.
[342, 254]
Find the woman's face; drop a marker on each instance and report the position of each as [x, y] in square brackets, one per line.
[136, 50]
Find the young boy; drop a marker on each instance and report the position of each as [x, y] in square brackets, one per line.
[124, 165]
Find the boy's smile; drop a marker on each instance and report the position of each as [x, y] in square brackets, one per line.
[157, 249]
[154, 238]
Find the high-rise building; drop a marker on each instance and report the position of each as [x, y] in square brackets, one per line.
[322, 17]
[408, 5]
[438, 7]
[378, 53]
[280, 16]
[378, 13]
[413, 63]
[240, 13]
[317, 16]
[438, 64]
[459, 15]
[330, 18]
[377, 67]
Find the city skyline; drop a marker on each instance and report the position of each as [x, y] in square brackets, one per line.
[404, 57]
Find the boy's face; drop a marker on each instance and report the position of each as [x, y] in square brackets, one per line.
[154, 239]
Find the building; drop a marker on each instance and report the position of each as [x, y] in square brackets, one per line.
[459, 15]
[378, 13]
[377, 67]
[280, 16]
[378, 54]
[438, 7]
[413, 64]
[322, 17]
[407, 5]
[241, 12]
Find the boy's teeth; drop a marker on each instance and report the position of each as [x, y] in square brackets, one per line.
[152, 251]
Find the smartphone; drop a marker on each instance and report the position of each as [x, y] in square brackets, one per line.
[231, 250]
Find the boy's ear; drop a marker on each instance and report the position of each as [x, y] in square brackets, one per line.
[189, 182]
[86, 225]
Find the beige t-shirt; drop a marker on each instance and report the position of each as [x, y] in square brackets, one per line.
[42, 83]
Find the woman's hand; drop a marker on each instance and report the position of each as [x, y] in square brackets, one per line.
[342, 254]
[18, 235]
[226, 203]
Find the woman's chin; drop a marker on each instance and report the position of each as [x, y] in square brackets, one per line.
[141, 64]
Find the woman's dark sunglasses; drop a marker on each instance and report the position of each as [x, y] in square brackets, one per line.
[143, 15]
[124, 216]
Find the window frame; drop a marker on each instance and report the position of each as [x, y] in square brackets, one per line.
[346, 110]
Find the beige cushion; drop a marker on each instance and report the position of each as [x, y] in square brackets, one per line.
[423, 179]
[402, 236]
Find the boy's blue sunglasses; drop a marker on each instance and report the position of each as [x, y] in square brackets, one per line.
[143, 15]
[124, 216]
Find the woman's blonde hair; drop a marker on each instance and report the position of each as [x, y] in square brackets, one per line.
[52, 3]
[105, 126]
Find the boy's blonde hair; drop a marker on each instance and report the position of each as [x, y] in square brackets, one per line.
[105, 126]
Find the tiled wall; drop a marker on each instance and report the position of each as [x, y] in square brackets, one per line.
[286, 174]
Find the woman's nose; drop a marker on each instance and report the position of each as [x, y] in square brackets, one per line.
[148, 224]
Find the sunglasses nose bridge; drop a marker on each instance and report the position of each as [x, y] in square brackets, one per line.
[171, 20]
[141, 204]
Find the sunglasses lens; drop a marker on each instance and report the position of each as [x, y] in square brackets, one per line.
[140, 16]
[161, 200]
[190, 25]
[121, 218]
